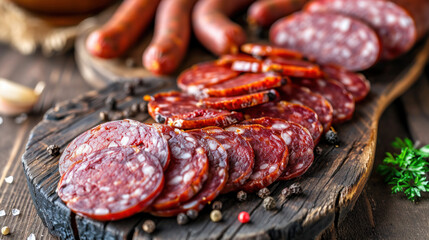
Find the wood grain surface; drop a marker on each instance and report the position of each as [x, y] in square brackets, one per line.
[331, 187]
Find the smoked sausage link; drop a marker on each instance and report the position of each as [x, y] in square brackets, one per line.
[171, 37]
[123, 29]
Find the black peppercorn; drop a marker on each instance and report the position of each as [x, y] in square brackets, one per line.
[269, 203]
[182, 219]
[217, 205]
[264, 192]
[149, 226]
[160, 119]
[286, 192]
[295, 188]
[111, 103]
[241, 196]
[53, 150]
[192, 214]
[331, 137]
[318, 151]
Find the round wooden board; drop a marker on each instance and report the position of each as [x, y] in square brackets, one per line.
[330, 187]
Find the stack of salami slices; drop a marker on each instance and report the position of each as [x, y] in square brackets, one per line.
[241, 123]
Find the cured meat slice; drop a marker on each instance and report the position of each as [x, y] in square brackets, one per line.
[302, 95]
[328, 38]
[125, 133]
[187, 171]
[394, 24]
[112, 183]
[202, 75]
[292, 67]
[239, 102]
[298, 140]
[264, 50]
[355, 83]
[180, 110]
[244, 84]
[271, 155]
[217, 178]
[342, 101]
[240, 156]
[292, 112]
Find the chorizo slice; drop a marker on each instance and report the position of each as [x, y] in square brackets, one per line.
[292, 67]
[124, 133]
[342, 102]
[240, 156]
[298, 140]
[292, 112]
[244, 84]
[271, 155]
[123, 28]
[355, 83]
[239, 102]
[203, 75]
[265, 50]
[217, 176]
[180, 110]
[302, 95]
[328, 38]
[187, 171]
[112, 183]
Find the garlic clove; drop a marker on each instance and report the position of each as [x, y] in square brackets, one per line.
[16, 98]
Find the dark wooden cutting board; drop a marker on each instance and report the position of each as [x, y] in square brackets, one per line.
[331, 186]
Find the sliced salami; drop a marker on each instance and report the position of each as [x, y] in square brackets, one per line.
[298, 140]
[240, 156]
[328, 38]
[264, 50]
[239, 102]
[355, 83]
[244, 84]
[202, 75]
[181, 110]
[217, 178]
[112, 183]
[271, 155]
[187, 171]
[302, 95]
[394, 24]
[292, 67]
[292, 112]
[342, 101]
[125, 133]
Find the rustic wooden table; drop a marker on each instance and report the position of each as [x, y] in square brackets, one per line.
[377, 213]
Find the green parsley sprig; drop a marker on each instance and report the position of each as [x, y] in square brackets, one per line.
[406, 171]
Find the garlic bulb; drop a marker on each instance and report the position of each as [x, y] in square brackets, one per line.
[16, 98]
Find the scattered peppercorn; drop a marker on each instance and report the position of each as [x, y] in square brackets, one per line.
[104, 116]
[286, 192]
[264, 192]
[182, 219]
[243, 217]
[295, 188]
[53, 150]
[149, 226]
[192, 214]
[241, 196]
[129, 88]
[111, 103]
[331, 137]
[217, 205]
[216, 216]
[5, 230]
[269, 203]
[318, 150]
[159, 119]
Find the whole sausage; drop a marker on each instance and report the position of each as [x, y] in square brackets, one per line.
[123, 29]
[263, 13]
[214, 29]
[171, 37]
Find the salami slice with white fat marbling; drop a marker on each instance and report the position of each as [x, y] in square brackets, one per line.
[342, 101]
[125, 133]
[302, 95]
[271, 155]
[298, 140]
[240, 156]
[292, 112]
[112, 183]
[188, 169]
[328, 38]
[217, 176]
